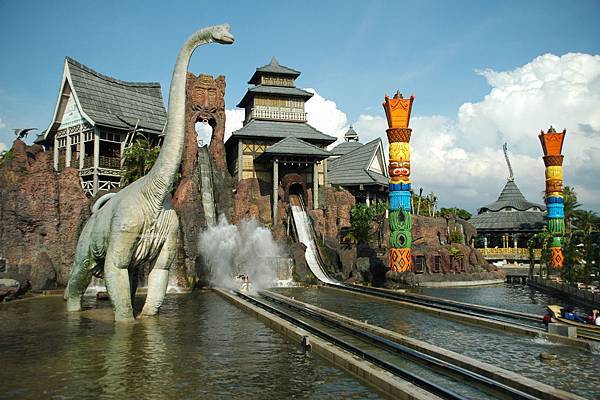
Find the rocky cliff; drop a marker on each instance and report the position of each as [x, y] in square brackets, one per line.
[42, 213]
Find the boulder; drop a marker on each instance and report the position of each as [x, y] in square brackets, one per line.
[43, 274]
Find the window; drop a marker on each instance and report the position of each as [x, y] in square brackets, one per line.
[437, 264]
[419, 262]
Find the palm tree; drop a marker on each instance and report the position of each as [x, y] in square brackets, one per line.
[586, 220]
[571, 205]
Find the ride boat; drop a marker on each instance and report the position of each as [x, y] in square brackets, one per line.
[584, 331]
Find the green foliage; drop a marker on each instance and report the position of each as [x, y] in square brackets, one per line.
[571, 205]
[455, 212]
[456, 252]
[362, 218]
[455, 236]
[6, 155]
[139, 159]
[541, 241]
[424, 205]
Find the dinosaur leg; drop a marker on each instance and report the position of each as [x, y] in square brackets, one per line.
[159, 276]
[79, 280]
[133, 283]
[116, 274]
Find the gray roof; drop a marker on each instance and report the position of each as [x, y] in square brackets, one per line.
[345, 147]
[351, 169]
[273, 68]
[116, 103]
[295, 147]
[284, 91]
[511, 196]
[509, 213]
[280, 130]
[508, 221]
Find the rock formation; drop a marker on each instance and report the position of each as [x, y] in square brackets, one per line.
[42, 213]
[205, 102]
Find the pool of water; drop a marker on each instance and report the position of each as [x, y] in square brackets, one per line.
[574, 371]
[200, 347]
[508, 296]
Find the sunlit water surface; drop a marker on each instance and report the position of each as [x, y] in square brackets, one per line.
[509, 296]
[574, 371]
[200, 347]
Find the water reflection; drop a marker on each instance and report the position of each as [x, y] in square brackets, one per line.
[574, 371]
[199, 347]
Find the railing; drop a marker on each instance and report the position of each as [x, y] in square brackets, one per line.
[279, 115]
[509, 252]
[103, 162]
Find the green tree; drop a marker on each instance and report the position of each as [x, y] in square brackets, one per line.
[571, 205]
[361, 217]
[138, 160]
[455, 212]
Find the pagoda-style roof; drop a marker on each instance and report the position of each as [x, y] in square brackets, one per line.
[512, 212]
[110, 102]
[509, 221]
[344, 148]
[294, 147]
[280, 91]
[273, 68]
[280, 130]
[511, 197]
[357, 166]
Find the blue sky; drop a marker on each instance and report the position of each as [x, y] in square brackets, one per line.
[351, 52]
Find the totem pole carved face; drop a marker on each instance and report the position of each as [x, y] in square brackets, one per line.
[206, 97]
[399, 169]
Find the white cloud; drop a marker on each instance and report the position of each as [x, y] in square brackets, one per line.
[233, 121]
[461, 159]
[324, 115]
[3, 147]
[2, 124]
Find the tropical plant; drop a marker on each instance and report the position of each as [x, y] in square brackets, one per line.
[571, 205]
[361, 219]
[138, 160]
[455, 236]
[455, 212]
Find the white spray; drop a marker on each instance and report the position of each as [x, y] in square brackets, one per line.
[230, 250]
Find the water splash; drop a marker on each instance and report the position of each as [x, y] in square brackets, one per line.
[249, 249]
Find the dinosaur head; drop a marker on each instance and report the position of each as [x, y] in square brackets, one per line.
[221, 34]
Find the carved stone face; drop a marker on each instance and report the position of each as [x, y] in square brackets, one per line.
[207, 97]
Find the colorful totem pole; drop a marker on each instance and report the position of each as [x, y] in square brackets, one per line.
[552, 143]
[397, 111]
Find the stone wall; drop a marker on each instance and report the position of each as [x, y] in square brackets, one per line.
[42, 213]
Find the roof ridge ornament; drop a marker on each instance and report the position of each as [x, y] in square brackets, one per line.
[511, 177]
[274, 61]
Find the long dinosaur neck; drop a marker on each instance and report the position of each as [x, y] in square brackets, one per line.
[165, 168]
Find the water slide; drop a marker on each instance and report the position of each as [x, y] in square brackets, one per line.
[305, 236]
[208, 198]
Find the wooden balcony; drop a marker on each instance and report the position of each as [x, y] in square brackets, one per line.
[103, 162]
[278, 115]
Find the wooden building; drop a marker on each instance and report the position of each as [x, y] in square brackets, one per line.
[276, 144]
[359, 168]
[505, 226]
[95, 118]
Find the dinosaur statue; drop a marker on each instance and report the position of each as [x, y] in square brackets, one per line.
[138, 225]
